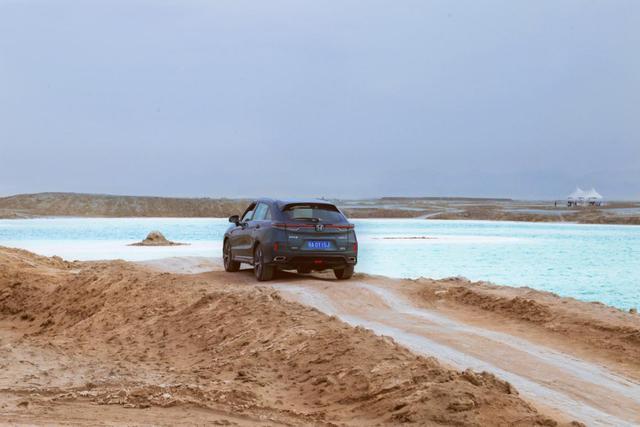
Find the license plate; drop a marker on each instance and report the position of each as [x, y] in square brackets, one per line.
[318, 244]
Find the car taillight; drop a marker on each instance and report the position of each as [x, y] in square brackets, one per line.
[275, 247]
[355, 247]
[294, 226]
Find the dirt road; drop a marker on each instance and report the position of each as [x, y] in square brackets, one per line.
[584, 391]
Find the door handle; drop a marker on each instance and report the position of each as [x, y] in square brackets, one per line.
[257, 225]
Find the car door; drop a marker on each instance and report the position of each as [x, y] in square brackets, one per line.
[240, 236]
[259, 223]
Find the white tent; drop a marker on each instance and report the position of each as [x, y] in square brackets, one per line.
[592, 195]
[578, 194]
[583, 198]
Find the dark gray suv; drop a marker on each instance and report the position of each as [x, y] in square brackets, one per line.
[302, 235]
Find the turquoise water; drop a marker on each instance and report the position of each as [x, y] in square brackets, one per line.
[589, 262]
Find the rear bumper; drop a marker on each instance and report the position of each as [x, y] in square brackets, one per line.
[314, 261]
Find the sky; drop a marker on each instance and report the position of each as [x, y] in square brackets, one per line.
[354, 99]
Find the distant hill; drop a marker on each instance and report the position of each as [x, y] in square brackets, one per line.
[110, 206]
[101, 205]
[445, 198]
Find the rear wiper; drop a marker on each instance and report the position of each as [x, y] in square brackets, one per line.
[310, 218]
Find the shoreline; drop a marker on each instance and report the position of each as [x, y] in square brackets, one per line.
[386, 218]
[108, 250]
[158, 256]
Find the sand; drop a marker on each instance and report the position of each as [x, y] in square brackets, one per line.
[116, 334]
[122, 343]
[595, 331]
[567, 356]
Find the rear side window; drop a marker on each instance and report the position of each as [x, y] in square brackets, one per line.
[314, 212]
[262, 212]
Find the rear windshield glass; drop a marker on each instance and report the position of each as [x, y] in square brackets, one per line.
[316, 213]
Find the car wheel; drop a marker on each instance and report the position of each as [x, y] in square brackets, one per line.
[344, 273]
[262, 271]
[229, 264]
[304, 270]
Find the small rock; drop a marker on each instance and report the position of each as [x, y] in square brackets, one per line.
[633, 311]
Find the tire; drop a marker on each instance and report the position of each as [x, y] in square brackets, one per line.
[262, 271]
[344, 273]
[230, 265]
[304, 270]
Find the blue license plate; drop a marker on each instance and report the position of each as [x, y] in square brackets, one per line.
[318, 244]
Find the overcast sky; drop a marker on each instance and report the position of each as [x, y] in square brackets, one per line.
[523, 99]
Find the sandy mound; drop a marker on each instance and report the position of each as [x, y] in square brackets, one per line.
[114, 333]
[156, 238]
[598, 331]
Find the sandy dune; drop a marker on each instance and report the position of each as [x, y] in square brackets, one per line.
[120, 343]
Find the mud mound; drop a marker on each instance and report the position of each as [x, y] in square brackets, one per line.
[156, 238]
[124, 335]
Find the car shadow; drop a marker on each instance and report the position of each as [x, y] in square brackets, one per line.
[290, 276]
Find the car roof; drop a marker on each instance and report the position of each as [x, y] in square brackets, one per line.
[284, 202]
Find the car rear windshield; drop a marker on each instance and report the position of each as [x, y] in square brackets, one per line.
[314, 212]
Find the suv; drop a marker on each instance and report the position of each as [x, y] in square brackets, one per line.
[302, 235]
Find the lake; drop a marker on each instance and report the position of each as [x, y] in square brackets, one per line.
[588, 262]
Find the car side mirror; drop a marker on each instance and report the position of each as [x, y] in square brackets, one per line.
[235, 219]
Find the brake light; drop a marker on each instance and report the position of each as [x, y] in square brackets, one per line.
[275, 247]
[355, 247]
